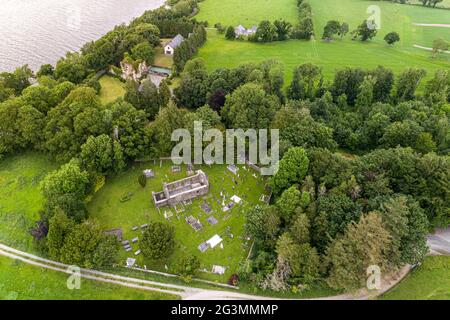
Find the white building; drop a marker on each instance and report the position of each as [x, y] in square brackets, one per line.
[241, 31]
[169, 49]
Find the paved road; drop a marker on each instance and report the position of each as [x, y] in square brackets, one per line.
[439, 241]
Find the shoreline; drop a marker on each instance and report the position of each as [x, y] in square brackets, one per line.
[50, 34]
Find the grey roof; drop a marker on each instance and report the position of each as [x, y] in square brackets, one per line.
[175, 42]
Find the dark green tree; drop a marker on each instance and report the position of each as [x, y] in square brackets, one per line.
[157, 241]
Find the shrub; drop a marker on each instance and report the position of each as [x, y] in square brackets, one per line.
[142, 179]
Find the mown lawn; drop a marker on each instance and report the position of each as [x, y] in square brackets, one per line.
[107, 208]
[20, 197]
[20, 281]
[338, 54]
[430, 281]
[111, 89]
[247, 13]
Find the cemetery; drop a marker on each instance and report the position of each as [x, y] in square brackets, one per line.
[206, 204]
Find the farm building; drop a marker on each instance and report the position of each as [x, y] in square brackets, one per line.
[169, 49]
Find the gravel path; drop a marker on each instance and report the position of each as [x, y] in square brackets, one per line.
[439, 25]
[427, 48]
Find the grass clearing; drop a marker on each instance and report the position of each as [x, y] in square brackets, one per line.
[247, 13]
[219, 52]
[161, 59]
[430, 281]
[111, 89]
[20, 197]
[107, 209]
[36, 283]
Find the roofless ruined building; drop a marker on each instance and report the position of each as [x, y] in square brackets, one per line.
[182, 190]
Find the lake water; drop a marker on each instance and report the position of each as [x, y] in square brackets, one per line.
[35, 32]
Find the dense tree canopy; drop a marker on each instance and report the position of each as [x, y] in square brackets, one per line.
[292, 169]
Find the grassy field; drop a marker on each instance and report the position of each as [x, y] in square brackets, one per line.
[20, 197]
[31, 282]
[107, 208]
[393, 17]
[219, 52]
[161, 59]
[430, 281]
[112, 89]
[247, 13]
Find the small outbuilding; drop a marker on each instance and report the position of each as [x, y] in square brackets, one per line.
[169, 48]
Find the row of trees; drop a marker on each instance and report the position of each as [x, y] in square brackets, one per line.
[333, 28]
[366, 31]
[431, 3]
[171, 22]
[189, 48]
[279, 30]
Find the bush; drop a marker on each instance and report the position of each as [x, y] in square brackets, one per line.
[233, 281]
[142, 179]
[230, 34]
[392, 37]
[187, 266]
